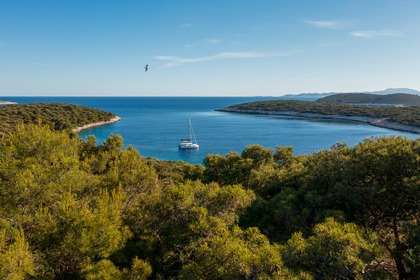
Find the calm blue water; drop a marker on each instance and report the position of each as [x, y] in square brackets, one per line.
[154, 126]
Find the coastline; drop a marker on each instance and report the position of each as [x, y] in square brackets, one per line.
[7, 103]
[372, 121]
[87, 126]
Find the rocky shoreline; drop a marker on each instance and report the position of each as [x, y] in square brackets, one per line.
[372, 121]
[7, 102]
[87, 126]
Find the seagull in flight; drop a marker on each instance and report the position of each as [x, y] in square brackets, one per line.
[146, 68]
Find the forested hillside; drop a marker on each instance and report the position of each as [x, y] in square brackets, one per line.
[373, 99]
[59, 116]
[401, 115]
[73, 210]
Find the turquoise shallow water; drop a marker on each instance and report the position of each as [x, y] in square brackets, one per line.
[154, 126]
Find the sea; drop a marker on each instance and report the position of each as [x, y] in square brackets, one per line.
[155, 125]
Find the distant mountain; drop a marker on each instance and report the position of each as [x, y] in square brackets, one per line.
[315, 96]
[373, 99]
[396, 90]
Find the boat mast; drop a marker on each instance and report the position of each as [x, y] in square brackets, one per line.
[192, 132]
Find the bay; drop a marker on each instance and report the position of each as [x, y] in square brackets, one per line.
[155, 125]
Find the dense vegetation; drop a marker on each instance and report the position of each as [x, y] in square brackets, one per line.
[73, 210]
[403, 115]
[59, 116]
[366, 98]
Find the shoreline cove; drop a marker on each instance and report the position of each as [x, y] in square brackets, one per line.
[372, 121]
[7, 103]
[91, 125]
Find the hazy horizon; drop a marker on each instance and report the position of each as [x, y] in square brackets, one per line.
[207, 48]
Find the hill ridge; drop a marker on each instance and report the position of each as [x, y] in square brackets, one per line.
[374, 99]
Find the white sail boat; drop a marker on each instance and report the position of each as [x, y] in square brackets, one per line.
[188, 143]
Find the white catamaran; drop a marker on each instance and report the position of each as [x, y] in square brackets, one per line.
[188, 143]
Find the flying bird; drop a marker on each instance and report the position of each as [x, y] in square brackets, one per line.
[146, 68]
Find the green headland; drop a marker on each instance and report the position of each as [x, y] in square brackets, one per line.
[393, 117]
[59, 116]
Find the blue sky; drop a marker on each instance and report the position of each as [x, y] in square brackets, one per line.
[207, 48]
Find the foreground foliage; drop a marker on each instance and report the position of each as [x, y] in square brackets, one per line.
[74, 210]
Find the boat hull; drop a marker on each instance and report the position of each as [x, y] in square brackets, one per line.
[188, 146]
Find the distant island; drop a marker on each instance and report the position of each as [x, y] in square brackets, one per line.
[379, 92]
[398, 118]
[394, 90]
[402, 99]
[59, 116]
